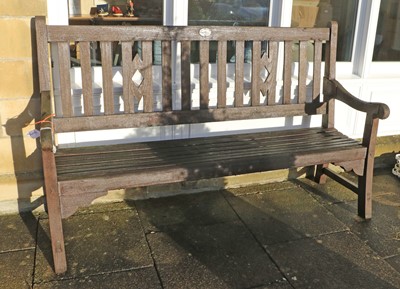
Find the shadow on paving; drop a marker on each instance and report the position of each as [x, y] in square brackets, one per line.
[269, 236]
[302, 240]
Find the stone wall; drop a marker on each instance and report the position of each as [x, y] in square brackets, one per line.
[20, 165]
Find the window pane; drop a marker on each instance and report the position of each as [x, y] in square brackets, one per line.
[387, 41]
[229, 12]
[318, 13]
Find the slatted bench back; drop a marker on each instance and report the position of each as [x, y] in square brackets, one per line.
[264, 60]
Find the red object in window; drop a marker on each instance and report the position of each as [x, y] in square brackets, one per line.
[116, 10]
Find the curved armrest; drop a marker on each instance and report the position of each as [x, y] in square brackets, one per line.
[333, 89]
[46, 129]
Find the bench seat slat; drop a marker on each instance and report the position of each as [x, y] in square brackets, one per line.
[106, 163]
[277, 137]
[175, 153]
[190, 153]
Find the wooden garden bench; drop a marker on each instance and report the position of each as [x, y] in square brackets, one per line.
[74, 177]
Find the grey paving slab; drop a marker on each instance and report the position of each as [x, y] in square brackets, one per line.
[339, 260]
[96, 243]
[221, 255]
[16, 269]
[394, 261]
[385, 181]
[145, 278]
[382, 233]
[280, 216]
[329, 193]
[17, 232]
[255, 189]
[282, 284]
[194, 209]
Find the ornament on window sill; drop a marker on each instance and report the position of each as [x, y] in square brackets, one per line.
[116, 11]
[129, 9]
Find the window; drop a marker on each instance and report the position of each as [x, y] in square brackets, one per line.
[229, 12]
[318, 13]
[387, 40]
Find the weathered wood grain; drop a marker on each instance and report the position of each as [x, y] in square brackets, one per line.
[239, 73]
[166, 76]
[191, 33]
[181, 117]
[106, 61]
[204, 74]
[87, 87]
[185, 75]
[65, 79]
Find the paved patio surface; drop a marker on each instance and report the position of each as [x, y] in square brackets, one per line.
[294, 234]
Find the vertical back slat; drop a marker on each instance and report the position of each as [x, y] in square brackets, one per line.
[147, 72]
[330, 53]
[255, 74]
[106, 63]
[287, 72]
[185, 75]
[204, 81]
[87, 89]
[239, 74]
[272, 70]
[166, 76]
[317, 69]
[302, 85]
[127, 77]
[221, 77]
[65, 79]
[43, 53]
[330, 72]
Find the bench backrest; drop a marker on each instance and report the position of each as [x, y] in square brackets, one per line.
[266, 73]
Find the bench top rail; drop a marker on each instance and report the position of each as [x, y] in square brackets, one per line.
[137, 45]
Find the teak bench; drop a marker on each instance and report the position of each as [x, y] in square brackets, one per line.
[74, 177]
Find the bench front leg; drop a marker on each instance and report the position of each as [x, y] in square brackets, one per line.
[365, 181]
[54, 212]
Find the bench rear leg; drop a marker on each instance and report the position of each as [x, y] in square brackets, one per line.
[54, 212]
[320, 177]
